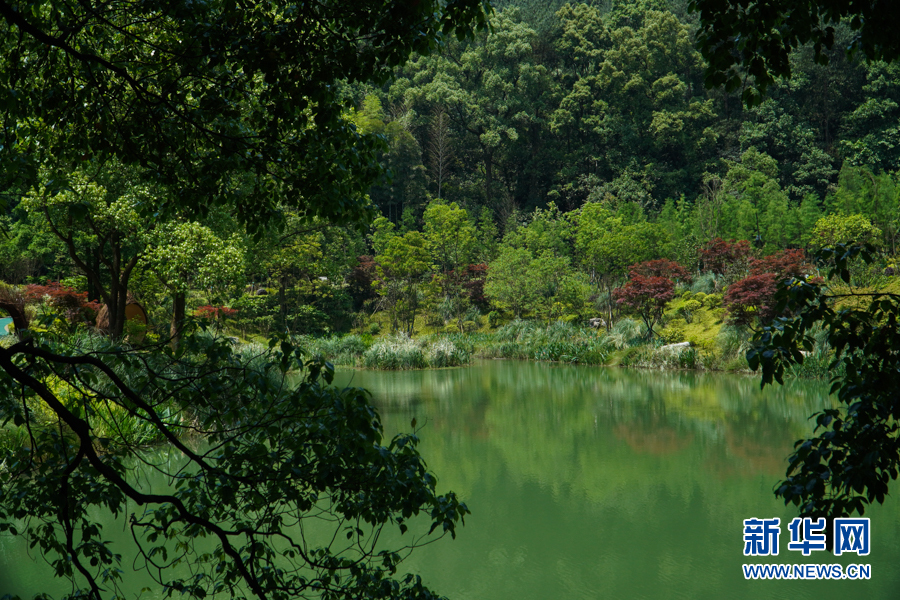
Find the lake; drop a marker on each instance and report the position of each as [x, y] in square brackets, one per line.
[591, 482]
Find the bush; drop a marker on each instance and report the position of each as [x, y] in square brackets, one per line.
[705, 283]
[395, 353]
[624, 334]
[445, 353]
[713, 301]
[493, 319]
[672, 334]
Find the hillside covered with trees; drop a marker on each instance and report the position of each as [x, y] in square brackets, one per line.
[530, 168]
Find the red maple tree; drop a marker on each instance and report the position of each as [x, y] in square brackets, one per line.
[721, 257]
[785, 264]
[751, 298]
[650, 288]
[754, 296]
[75, 305]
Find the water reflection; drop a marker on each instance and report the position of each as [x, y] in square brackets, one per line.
[598, 483]
[589, 482]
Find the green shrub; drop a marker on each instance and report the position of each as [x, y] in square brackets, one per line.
[395, 353]
[493, 319]
[705, 283]
[713, 301]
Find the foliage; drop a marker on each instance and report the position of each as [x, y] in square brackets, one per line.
[132, 114]
[736, 37]
[845, 229]
[215, 97]
[790, 263]
[75, 305]
[751, 299]
[322, 448]
[854, 456]
[215, 312]
[402, 266]
[649, 289]
[722, 257]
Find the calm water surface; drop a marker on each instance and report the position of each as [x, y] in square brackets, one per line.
[588, 482]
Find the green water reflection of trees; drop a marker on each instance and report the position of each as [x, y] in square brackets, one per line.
[597, 482]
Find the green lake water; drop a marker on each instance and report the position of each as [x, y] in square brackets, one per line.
[588, 482]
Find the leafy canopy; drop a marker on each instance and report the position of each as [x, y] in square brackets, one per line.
[227, 102]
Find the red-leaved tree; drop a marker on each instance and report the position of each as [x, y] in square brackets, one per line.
[785, 264]
[661, 268]
[75, 305]
[726, 258]
[360, 280]
[473, 284]
[750, 298]
[649, 289]
[754, 297]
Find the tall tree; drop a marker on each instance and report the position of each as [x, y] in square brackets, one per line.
[440, 150]
[229, 103]
[189, 255]
[213, 99]
[96, 216]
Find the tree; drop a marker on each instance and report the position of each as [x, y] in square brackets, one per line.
[224, 103]
[493, 91]
[753, 297]
[402, 160]
[440, 148]
[606, 245]
[96, 216]
[722, 257]
[320, 447]
[649, 289]
[855, 453]
[744, 39]
[230, 104]
[451, 239]
[402, 266]
[509, 284]
[189, 255]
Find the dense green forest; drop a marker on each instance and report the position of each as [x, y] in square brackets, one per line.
[528, 169]
[558, 185]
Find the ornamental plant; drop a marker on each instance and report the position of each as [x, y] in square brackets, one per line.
[215, 312]
[75, 305]
[649, 289]
[754, 296]
[726, 258]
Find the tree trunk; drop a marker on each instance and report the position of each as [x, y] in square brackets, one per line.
[178, 304]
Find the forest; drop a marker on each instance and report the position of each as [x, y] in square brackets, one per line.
[193, 238]
[530, 171]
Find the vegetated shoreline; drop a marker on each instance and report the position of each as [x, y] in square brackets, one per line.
[624, 345]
